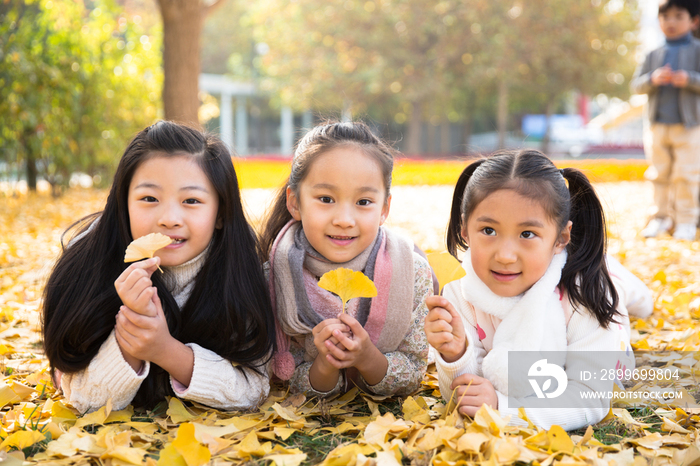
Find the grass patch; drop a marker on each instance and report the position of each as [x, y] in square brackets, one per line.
[614, 431]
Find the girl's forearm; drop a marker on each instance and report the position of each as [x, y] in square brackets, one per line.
[323, 377]
[373, 369]
[135, 363]
[178, 360]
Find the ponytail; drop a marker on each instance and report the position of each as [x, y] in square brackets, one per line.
[585, 276]
[278, 217]
[454, 238]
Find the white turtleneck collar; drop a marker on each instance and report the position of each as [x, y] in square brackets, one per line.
[179, 279]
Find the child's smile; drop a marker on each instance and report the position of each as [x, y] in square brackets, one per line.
[505, 276]
[511, 241]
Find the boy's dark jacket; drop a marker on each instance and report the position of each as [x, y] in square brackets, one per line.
[689, 97]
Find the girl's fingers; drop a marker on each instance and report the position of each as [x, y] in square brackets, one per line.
[438, 340]
[334, 351]
[436, 301]
[466, 379]
[437, 314]
[148, 266]
[438, 326]
[138, 321]
[327, 332]
[355, 327]
[348, 343]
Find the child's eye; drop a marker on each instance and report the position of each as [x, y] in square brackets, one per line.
[325, 199]
[149, 199]
[364, 202]
[488, 231]
[527, 234]
[192, 201]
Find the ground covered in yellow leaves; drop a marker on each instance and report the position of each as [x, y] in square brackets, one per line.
[37, 427]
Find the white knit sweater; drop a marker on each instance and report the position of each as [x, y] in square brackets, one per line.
[215, 382]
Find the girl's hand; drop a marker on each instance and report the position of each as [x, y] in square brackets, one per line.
[358, 351]
[322, 375]
[135, 288]
[471, 392]
[444, 329]
[144, 337]
[324, 332]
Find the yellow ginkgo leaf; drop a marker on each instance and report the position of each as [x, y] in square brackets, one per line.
[446, 267]
[145, 246]
[22, 439]
[194, 453]
[559, 440]
[348, 284]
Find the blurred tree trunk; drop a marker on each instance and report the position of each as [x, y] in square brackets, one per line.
[547, 137]
[415, 123]
[445, 139]
[502, 113]
[30, 157]
[183, 21]
[431, 137]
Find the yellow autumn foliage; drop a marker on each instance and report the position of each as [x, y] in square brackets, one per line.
[348, 284]
[354, 428]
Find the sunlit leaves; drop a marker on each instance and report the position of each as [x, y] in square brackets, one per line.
[356, 428]
[347, 284]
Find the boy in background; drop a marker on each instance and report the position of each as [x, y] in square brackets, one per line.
[670, 76]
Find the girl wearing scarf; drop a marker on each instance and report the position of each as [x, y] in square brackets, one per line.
[330, 215]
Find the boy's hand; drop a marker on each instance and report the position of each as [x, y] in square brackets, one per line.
[471, 392]
[135, 288]
[680, 78]
[662, 76]
[444, 329]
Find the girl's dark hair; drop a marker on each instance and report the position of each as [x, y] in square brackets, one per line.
[532, 174]
[229, 309]
[316, 142]
[691, 6]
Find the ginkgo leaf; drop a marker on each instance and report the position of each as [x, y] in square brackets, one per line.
[145, 246]
[559, 440]
[22, 439]
[194, 453]
[348, 284]
[446, 267]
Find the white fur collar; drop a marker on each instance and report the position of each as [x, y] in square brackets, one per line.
[532, 321]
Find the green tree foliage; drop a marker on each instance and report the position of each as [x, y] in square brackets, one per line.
[77, 81]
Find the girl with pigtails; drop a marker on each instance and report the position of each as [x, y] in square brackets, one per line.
[537, 280]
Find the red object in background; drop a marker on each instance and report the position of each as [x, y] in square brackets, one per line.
[583, 108]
